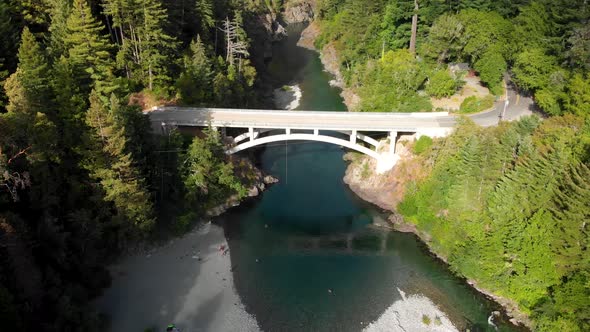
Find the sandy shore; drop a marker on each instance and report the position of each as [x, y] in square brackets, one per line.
[287, 97]
[412, 314]
[188, 282]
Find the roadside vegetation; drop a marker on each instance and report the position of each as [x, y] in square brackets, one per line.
[507, 206]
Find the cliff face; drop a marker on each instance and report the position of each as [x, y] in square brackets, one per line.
[299, 11]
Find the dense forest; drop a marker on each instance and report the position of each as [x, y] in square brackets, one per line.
[507, 206]
[81, 177]
[544, 43]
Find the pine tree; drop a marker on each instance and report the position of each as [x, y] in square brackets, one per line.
[35, 11]
[88, 48]
[204, 11]
[28, 88]
[114, 167]
[194, 84]
[572, 216]
[60, 11]
[155, 43]
[144, 46]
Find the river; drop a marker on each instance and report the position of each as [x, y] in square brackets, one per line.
[306, 256]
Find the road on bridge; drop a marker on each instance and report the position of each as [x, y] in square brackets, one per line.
[411, 122]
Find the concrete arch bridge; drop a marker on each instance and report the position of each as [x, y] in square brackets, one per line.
[280, 126]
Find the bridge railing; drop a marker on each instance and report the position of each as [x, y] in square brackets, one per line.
[301, 112]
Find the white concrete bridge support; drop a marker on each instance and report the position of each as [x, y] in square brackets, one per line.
[388, 159]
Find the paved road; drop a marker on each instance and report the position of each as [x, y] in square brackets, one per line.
[518, 106]
[187, 116]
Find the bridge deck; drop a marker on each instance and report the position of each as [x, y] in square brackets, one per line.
[188, 116]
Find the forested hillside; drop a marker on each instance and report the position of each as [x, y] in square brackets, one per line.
[507, 206]
[544, 43]
[81, 177]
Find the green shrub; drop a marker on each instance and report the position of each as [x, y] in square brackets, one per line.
[474, 105]
[441, 84]
[426, 320]
[423, 144]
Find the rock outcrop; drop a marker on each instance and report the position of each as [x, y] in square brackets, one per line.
[298, 12]
[384, 190]
[252, 178]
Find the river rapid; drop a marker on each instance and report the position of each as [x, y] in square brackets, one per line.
[306, 256]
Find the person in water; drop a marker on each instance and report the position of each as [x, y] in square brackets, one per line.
[172, 328]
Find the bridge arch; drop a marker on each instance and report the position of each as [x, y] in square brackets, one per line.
[258, 132]
[351, 144]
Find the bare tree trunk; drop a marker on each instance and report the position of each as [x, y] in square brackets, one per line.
[229, 56]
[151, 79]
[414, 28]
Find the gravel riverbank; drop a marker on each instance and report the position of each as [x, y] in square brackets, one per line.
[413, 313]
[187, 282]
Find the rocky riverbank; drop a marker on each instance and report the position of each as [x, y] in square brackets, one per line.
[401, 316]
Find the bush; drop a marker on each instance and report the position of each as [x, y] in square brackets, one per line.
[423, 144]
[474, 105]
[441, 84]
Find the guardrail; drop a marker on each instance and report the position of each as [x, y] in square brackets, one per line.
[298, 112]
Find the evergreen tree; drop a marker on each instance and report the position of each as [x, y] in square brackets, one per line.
[207, 176]
[445, 39]
[204, 11]
[9, 35]
[88, 49]
[396, 24]
[194, 84]
[155, 44]
[571, 212]
[114, 167]
[35, 11]
[144, 46]
[60, 11]
[28, 88]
